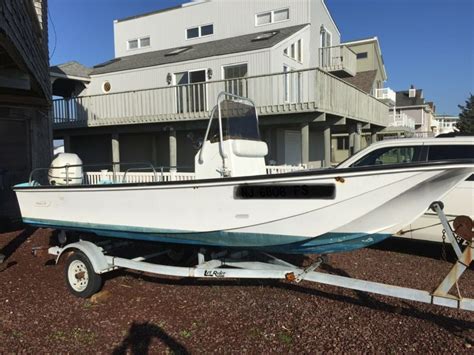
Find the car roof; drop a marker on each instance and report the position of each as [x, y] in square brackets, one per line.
[427, 141]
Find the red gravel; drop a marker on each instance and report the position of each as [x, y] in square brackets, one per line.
[156, 314]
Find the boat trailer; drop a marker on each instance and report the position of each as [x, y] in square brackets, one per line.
[86, 261]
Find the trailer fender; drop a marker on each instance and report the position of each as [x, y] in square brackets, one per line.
[92, 251]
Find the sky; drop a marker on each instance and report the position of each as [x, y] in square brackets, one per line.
[425, 43]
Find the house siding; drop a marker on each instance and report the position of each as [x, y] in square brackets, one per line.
[221, 13]
[319, 16]
[27, 31]
[153, 77]
[25, 124]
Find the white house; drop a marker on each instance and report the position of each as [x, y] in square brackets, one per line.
[151, 101]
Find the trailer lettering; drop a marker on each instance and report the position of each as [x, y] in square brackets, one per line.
[214, 273]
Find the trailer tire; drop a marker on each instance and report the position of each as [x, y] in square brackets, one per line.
[81, 279]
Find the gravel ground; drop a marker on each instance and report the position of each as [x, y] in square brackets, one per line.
[140, 313]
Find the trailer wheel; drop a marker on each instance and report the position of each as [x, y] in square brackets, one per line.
[81, 279]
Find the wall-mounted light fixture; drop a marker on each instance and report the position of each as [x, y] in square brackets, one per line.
[169, 78]
[322, 29]
[209, 73]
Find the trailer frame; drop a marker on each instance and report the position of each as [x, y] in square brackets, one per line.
[240, 265]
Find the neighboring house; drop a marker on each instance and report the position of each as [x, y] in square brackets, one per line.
[371, 73]
[25, 96]
[151, 102]
[370, 77]
[446, 124]
[411, 106]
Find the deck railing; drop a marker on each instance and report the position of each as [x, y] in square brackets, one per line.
[386, 94]
[402, 120]
[337, 59]
[288, 92]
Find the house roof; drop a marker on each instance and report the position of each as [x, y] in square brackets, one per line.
[364, 80]
[238, 44]
[71, 68]
[403, 98]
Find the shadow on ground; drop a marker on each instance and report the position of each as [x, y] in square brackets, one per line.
[139, 339]
[16, 242]
[457, 327]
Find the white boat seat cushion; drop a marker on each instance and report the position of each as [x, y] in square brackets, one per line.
[249, 149]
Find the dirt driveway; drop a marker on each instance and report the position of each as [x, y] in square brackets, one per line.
[142, 313]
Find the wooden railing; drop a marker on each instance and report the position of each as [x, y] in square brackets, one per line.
[401, 120]
[291, 92]
[338, 58]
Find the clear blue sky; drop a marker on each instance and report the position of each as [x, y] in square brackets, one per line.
[427, 43]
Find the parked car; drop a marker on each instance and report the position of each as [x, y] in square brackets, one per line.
[460, 201]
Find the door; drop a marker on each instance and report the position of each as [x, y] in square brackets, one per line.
[191, 94]
[326, 43]
[235, 82]
[292, 147]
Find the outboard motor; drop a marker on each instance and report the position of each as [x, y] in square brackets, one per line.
[65, 169]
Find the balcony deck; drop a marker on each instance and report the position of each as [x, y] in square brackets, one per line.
[308, 90]
[338, 60]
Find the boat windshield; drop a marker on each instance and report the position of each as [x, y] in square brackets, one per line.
[239, 121]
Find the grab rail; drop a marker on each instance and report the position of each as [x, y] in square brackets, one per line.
[67, 167]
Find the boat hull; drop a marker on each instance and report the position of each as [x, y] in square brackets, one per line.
[210, 213]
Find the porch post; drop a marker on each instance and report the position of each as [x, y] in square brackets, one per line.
[327, 146]
[354, 138]
[173, 149]
[358, 134]
[373, 137]
[67, 144]
[116, 151]
[154, 150]
[305, 143]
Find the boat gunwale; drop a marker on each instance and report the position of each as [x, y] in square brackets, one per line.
[219, 181]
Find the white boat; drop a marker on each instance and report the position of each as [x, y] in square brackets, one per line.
[459, 201]
[232, 203]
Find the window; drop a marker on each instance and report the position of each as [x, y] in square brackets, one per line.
[342, 143]
[362, 55]
[192, 32]
[199, 31]
[450, 152]
[299, 51]
[281, 15]
[106, 87]
[138, 43]
[144, 42]
[295, 51]
[207, 30]
[234, 74]
[391, 155]
[273, 16]
[291, 85]
[263, 19]
[133, 44]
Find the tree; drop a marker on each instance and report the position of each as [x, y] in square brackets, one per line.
[466, 117]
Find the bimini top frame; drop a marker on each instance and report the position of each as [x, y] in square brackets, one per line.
[220, 98]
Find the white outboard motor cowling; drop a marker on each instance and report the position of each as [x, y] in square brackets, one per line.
[65, 169]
